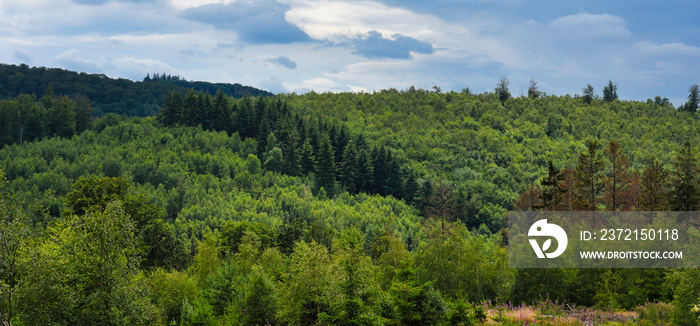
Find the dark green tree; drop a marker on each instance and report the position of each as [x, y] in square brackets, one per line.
[502, 89]
[553, 188]
[693, 99]
[533, 90]
[260, 302]
[654, 187]
[617, 183]
[308, 158]
[610, 92]
[588, 94]
[685, 189]
[349, 175]
[588, 180]
[171, 113]
[325, 166]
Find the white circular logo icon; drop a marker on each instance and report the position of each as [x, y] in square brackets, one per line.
[543, 229]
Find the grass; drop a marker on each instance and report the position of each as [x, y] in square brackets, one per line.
[545, 312]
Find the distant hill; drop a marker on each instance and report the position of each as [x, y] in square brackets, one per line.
[107, 94]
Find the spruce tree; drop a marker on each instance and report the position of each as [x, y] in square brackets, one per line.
[308, 159]
[654, 187]
[394, 177]
[693, 99]
[410, 188]
[378, 156]
[610, 92]
[617, 183]
[684, 180]
[588, 178]
[325, 166]
[554, 189]
[349, 176]
[292, 153]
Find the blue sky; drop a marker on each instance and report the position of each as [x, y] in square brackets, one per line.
[648, 48]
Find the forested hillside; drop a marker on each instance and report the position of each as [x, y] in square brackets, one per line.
[108, 95]
[383, 208]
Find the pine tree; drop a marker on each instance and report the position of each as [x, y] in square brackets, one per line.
[617, 183]
[684, 180]
[654, 187]
[440, 205]
[588, 178]
[190, 113]
[533, 91]
[554, 189]
[170, 114]
[502, 89]
[349, 176]
[308, 159]
[292, 152]
[410, 188]
[325, 167]
[588, 94]
[83, 113]
[693, 99]
[610, 92]
[394, 177]
[378, 156]
[221, 112]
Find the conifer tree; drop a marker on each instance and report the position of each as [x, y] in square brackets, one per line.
[394, 177]
[654, 187]
[410, 188]
[220, 111]
[292, 153]
[554, 189]
[693, 99]
[378, 156]
[588, 178]
[618, 182]
[588, 93]
[190, 115]
[308, 159]
[325, 167]
[349, 176]
[684, 180]
[610, 92]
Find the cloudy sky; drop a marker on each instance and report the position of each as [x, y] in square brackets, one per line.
[648, 47]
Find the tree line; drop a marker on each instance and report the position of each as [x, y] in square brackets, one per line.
[25, 118]
[291, 143]
[603, 180]
[108, 95]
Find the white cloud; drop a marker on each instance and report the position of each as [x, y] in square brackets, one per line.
[602, 27]
[338, 21]
[130, 67]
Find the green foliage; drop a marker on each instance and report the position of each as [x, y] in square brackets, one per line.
[260, 303]
[107, 95]
[685, 194]
[686, 291]
[169, 291]
[416, 303]
[223, 216]
[85, 272]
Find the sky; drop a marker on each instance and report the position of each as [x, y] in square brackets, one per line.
[648, 48]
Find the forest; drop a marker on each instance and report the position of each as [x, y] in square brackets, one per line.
[382, 208]
[108, 95]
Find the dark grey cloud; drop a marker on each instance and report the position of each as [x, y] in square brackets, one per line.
[373, 45]
[256, 22]
[283, 61]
